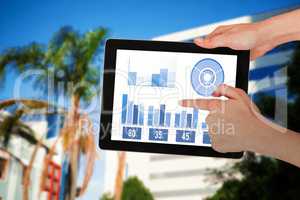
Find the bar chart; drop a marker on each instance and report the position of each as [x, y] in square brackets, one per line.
[162, 79]
[134, 114]
[159, 123]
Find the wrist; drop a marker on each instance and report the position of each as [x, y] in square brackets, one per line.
[262, 29]
[279, 29]
[261, 136]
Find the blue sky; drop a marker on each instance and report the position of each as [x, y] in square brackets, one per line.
[22, 22]
[25, 21]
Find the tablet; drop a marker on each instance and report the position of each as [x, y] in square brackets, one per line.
[142, 85]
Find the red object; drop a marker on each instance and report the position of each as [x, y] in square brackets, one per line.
[52, 184]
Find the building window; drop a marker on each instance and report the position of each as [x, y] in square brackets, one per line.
[52, 182]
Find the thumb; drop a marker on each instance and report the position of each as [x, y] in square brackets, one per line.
[211, 42]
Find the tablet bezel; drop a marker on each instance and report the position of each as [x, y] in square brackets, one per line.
[112, 45]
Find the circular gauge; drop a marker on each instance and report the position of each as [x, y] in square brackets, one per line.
[206, 76]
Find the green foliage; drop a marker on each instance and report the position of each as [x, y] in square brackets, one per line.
[294, 91]
[266, 178]
[68, 60]
[21, 58]
[294, 72]
[107, 196]
[266, 105]
[73, 54]
[133, 189]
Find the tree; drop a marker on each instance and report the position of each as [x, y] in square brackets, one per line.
[69, 62]
[262, 177]
[107, 196]
[133, 189]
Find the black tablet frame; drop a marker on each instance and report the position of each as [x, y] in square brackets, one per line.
[111, 47]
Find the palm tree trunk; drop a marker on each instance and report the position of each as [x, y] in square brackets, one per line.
[73, 122]
[90, 154]
[27, 173]
[120, 175]
[74, 171]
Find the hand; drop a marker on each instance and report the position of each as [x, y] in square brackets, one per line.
[232, 123]
[239, 37]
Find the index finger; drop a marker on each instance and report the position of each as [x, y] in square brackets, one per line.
[202, 104]
[227, 91]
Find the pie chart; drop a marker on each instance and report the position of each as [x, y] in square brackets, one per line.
[206, 76]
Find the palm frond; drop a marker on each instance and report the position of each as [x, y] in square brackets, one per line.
[27, 103]
[31, 55]
[87, 48]
[62, 43]
[7, 103]
[20, 59]
[8, 124]
[92, 41]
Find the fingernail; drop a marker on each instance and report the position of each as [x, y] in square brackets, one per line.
[214, 93]
[198, 40]
[181, 102]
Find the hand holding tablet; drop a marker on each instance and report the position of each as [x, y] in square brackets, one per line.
[143, 82]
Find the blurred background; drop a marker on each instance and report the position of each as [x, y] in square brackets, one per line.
[51, 64]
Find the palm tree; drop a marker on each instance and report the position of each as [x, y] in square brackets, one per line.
[69, 62]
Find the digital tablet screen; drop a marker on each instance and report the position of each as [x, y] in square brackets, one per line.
[149, 86]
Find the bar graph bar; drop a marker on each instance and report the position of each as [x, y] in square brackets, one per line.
[132, 76]
[130, 112]
[162, 115]
[135, 114]
[168, 119]
[150, 115]
[141, 115]
[156, 117]
[183, 119]
[177, 120]
[162, 79]
[155, 81]
[195, 118]
[171, 79]
[189, 120]
[124, 107]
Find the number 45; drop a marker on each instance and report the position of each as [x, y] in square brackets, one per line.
[186, 136]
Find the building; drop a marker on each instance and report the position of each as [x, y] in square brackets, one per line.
[15, 159]
[171, 177]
